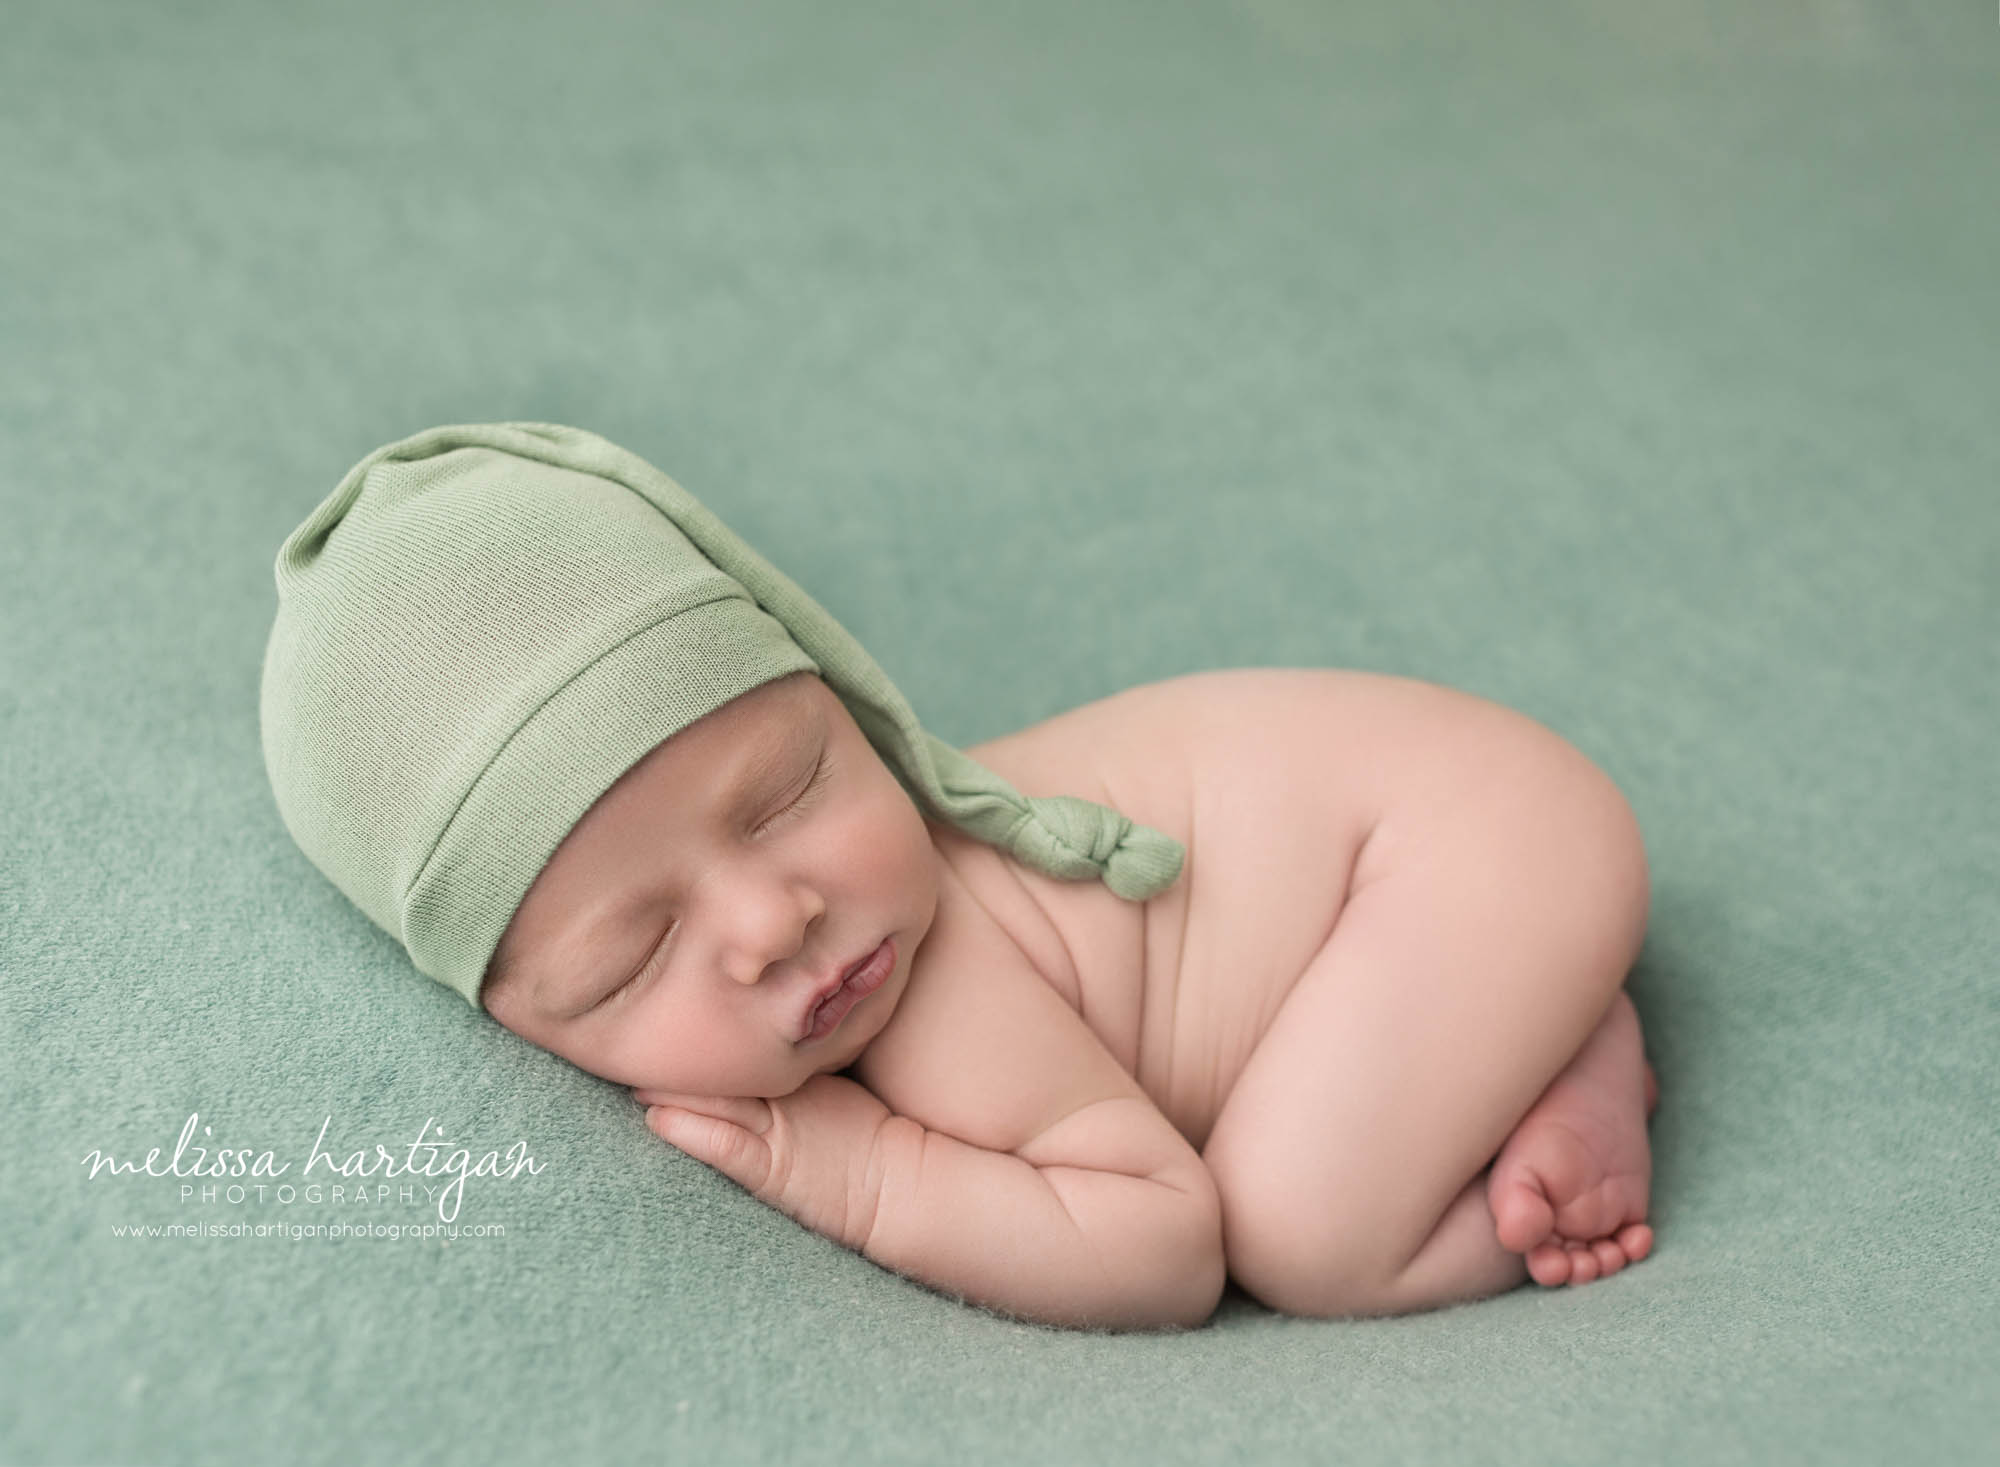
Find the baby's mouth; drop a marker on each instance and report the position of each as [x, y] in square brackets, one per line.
[864, 979]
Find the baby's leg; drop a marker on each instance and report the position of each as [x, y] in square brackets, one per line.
[1495, 911]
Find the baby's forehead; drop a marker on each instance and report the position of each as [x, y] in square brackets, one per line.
[769, 719]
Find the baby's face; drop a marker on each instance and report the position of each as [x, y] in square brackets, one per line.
[676, 937]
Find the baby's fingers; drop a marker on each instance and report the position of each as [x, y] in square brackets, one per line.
[731, 1150]
[750, 1113]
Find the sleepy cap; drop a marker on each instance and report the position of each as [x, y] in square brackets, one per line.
[485, 625]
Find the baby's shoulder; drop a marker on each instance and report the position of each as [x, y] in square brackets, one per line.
[1132, 744]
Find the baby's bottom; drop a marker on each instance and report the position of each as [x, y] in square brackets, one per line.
[1485, 939]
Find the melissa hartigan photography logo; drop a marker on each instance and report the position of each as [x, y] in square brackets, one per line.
[372, 1187]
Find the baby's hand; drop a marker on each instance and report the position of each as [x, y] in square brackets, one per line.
[814, 1154]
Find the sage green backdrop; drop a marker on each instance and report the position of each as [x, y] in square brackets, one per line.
[1633, 365]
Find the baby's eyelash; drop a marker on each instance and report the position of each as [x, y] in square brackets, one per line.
[813, 785]
[821, 774]
[644, 969]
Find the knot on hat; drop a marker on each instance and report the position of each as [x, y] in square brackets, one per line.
[1075, 839]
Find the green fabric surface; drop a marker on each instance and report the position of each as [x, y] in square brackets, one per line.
[1633, 366]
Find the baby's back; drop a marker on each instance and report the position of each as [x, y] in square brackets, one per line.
[1273, 779]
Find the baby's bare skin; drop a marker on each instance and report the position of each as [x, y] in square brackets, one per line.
[1371, 1049]
[1274, 779]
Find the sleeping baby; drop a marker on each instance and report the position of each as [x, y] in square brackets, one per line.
[1307, 979]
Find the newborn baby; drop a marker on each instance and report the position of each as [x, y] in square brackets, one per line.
[1399, 953]
[1364, 1050]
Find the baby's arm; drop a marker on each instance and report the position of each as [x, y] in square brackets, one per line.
[1046, 1235]
[1025, 1170]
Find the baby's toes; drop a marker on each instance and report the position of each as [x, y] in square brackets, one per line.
[1636, 1239]
[1549, 1264]
[1610, 1257]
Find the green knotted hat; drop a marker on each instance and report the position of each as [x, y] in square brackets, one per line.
[486, 624]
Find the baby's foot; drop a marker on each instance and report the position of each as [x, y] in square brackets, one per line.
[1570, 1187]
